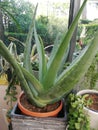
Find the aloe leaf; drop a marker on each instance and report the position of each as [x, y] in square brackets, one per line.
[32, 80]
[55, 61]
[54, 51]
[33, 50]
[67, 81]
[27, 51]
[5, 53]
[13, 50]
[24, 85]
[41, 53]
[18, 41]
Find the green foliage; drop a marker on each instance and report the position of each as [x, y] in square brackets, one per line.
[21, 12]
[91, 29]
[48, 29]
[77, 118]
[56, 29]
[43, 19]
[17, 17]
[91, 77]
[11, 95]
[11, 91]
[42, 30]
[85, 21]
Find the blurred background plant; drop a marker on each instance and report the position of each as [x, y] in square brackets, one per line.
[16, 10]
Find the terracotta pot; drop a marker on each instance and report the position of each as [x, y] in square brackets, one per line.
[93, 115]
[38, 114]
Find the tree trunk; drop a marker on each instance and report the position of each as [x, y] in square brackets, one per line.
[1, 26]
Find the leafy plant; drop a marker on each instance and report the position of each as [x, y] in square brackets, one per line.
[77, 118]
[91, 77]
[91, 28]
[51, 86]
[11, 77]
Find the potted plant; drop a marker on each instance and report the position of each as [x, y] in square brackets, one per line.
[51, 86]
[92, 109]
[77, 119]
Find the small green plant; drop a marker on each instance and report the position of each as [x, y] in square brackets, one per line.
[91, 77]
[77, 118]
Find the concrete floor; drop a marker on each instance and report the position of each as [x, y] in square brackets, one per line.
[3, 124]
[4, 106]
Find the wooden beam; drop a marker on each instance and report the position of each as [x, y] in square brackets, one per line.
[74, 7]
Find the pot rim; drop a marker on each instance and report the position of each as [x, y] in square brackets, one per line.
[38, 114]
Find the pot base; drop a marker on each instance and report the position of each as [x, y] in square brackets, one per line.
[23, 122]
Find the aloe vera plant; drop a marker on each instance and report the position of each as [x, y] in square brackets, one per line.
[51, 86]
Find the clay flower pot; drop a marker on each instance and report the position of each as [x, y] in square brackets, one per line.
[38, 114]
[92, 111]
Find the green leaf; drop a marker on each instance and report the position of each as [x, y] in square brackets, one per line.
[41, 53]
[14, 99]
[27, 51]
[24, 85]
[77, 126]
[55, 61]
[73, 75]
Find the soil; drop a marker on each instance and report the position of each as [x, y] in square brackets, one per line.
[94, 99]
[26, 104]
